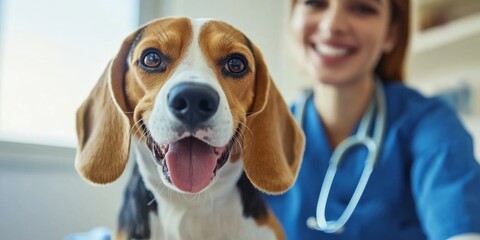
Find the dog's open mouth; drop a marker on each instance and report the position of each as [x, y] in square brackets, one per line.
[189, 164]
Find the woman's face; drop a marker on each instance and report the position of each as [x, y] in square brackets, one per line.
[342, 40]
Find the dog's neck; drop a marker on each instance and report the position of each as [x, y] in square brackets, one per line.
[211, 219]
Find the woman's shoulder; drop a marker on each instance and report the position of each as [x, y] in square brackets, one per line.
[426, 119]
[406, 101]
[409, 99]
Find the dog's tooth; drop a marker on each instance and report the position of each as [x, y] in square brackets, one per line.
[164, 148]
[216, 151]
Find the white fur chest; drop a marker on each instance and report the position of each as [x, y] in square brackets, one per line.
[212, 221]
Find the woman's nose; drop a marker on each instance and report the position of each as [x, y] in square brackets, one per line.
[334, 21]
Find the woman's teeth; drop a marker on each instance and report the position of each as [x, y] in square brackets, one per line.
[331, 51]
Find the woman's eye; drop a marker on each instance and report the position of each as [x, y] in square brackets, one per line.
[363, 9]
[316, 3]
[151, 59]
[235, 65]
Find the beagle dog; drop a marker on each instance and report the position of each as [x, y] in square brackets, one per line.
[193, 100]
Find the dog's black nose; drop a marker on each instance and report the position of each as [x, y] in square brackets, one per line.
[193, 103]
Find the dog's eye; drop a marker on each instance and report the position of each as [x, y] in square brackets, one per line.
[154, 61]
[236, 65]
[151, 59]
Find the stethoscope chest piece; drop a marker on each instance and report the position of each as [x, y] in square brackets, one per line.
[312, 224]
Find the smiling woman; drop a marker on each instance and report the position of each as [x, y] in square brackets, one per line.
[50, 58]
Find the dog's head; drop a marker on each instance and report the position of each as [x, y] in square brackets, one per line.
[198, 94]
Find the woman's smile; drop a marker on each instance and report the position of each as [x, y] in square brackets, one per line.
[331, 54]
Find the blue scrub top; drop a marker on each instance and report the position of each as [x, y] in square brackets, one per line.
[426, 183]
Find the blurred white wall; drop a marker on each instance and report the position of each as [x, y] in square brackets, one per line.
[42, 197]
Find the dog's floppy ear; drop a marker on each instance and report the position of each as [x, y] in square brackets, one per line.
[274, 143]
[103, 124]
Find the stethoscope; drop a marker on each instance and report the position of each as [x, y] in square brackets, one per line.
[372, 143]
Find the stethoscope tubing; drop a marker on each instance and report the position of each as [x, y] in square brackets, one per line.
[373, 145]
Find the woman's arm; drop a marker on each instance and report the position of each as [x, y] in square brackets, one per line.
[445, 177]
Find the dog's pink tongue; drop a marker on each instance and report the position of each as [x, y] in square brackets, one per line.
[191, 163]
